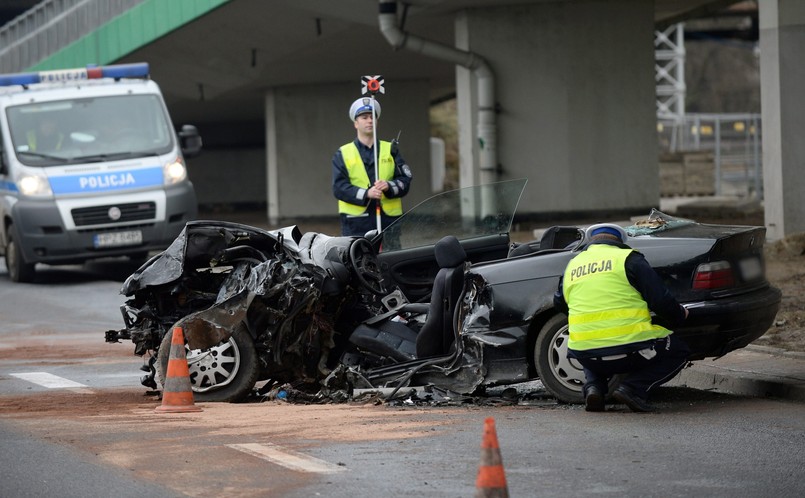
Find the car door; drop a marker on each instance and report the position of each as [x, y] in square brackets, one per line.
[479, 216]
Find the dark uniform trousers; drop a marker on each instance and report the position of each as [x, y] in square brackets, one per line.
[643, 373]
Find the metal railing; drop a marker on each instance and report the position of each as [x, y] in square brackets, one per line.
[50, 26]
[734, 140]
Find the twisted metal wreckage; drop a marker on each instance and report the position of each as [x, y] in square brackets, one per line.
[294, 295]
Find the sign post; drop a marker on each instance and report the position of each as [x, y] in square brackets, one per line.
[373, 85]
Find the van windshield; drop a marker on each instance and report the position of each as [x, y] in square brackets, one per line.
[89, 130]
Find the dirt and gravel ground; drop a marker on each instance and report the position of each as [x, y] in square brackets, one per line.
[785, 268]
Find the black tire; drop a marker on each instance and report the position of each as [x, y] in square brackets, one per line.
[211, 379]
[562, 377]
[18, 269]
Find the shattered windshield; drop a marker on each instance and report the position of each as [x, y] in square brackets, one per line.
[657, 221]
[89, 130]
[465, 213]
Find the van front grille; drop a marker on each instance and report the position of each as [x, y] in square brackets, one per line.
[99, 215]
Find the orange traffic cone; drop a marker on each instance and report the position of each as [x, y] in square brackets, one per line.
[491, 481]
[177, 393]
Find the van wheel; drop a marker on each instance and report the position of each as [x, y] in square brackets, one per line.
[18, 269]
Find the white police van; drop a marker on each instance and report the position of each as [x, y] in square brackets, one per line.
[90, 167]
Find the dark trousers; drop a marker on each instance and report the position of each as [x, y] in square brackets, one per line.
[643, 374]
[357, 226]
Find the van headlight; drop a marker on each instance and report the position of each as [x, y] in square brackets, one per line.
[34, 185]
[174, 172]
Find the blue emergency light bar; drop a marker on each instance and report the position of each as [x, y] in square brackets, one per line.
[138, 70]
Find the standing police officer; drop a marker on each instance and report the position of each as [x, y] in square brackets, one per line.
[608, 292]
[354, 182]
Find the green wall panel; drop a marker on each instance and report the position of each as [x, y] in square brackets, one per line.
[127, 32]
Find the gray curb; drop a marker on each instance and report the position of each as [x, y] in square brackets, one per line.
[739, 383]
[775, 373]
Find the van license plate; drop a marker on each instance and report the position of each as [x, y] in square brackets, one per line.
[114, 239]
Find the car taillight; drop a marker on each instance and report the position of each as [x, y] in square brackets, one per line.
[716, 275]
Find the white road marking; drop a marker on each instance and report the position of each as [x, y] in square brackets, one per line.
[51, 381]
[288, 458]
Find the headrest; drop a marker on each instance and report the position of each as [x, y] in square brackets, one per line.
[449, 252]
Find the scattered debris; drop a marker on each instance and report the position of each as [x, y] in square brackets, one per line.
[428, 395]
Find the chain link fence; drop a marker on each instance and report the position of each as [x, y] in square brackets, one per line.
[711, 154]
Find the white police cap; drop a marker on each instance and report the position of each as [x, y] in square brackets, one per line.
[362, 106]
[610, 228]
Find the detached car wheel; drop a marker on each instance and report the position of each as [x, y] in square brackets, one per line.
[226, 372]
[18, 269]
[560, 375]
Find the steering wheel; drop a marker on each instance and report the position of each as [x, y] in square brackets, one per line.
[367, 269]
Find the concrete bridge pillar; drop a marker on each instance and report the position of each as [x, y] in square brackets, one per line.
[576, 93]
[782, 49]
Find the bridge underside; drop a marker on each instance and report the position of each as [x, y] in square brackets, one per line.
[269, 83]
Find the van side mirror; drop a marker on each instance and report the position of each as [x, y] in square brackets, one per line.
[3, 165]
[190, 141]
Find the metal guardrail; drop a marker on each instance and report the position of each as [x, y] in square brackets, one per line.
[733, 140]
[50, 26]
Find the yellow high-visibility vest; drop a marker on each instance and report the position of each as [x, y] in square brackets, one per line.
[358, 177]
[604, 309]
[31, 137]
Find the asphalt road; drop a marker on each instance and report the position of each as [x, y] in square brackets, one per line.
[102, 437]
[35, 468]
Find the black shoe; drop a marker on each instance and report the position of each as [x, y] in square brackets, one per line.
[593, 399]
[633, 401]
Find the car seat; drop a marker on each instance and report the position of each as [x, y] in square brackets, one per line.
[436, 337]
[554, 238]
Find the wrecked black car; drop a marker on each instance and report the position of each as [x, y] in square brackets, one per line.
[441, 297]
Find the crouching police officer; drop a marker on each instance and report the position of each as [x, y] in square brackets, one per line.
[608, 292]
[354, 182]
